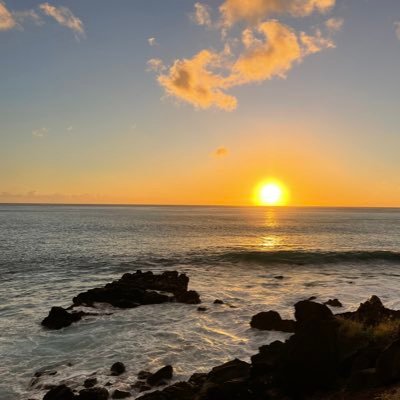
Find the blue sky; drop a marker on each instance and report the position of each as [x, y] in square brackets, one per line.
[82, 119]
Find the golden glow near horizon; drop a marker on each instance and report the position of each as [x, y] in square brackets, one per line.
[271, 193]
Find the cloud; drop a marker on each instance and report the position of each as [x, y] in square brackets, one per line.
[27, 15]
[39, 133]
[334, 24]
[220, 152]
[254, 11]
[194, 81]
[201, 15]
[7, 20]
[70, 128]
[397, 28]
[269, 51]
[155, 64]
[64, 17]
[152, 41]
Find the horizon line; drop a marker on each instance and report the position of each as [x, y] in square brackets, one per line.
[188, 205]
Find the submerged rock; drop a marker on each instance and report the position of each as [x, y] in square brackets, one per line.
[60, 318]
[90, 382]
[218, 301]
[272, 321]
[120, 394]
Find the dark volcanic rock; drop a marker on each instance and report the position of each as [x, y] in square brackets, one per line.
[177, 391]
[120, 394]
[60, 318]
[388, 364]
[117, 368]
[159, 377]
[202, 309]
[143, 374]
[306, 311]
[93, 394]
[311, 357]
[267, 359]
[132, 290]
[231, 370]
[218, 301]
[61, 392]
[271, 321]
[334, 303]
[372, 313]
[90, 382]
[141, 386]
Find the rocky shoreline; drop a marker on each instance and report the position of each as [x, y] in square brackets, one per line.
[351, 355]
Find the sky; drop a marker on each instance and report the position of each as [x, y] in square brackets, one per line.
[197, 102]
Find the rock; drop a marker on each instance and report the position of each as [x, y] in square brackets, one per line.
[279, 277]
[60, 318]
[61, 392]
[312, 298]
[198, 378]
[372, 313]
[202, 309]
[271, 321]
[267, 359]
[143, 374]
[231, 370]
[363, 379]
[141, 386]
[117, 368]
[306, 311]
[120, 394]
[310, 358]
[160, 376]
[218, 301]
[177, 391]
[388, 364]
[188, 297]
[90, 382]
[334, 303]
[93, 394]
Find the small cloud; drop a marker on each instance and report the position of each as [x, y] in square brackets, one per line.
[334, 24]
[201, 15]
[39, 133]
[152, 41]
[70, 128]
[27, 15]
[133, 126]
[397, 29]
[7, 20]
[220, 152]
[64, 17]
[155, 64]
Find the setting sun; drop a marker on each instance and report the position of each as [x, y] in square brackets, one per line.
[270, 194]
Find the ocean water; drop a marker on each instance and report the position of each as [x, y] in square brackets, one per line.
[48, 254]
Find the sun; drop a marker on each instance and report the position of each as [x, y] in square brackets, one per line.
[270, 194]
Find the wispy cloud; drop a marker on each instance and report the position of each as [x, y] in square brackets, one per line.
[64, 17]
[152, 41]
[7, 21]
[267, 49]
[233, 11]
[220, 152]
[39, 133]
[397, 29]
[201, 15]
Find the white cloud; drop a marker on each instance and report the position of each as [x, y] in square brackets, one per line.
[397, 29]
[64, 17]
[152, 41]
[202, 15]
[7, 20]
[155, 64]
[70, 128]
[39, 133]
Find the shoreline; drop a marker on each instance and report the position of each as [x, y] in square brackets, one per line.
[277, 371]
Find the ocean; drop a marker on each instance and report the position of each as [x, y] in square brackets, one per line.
[48, 254]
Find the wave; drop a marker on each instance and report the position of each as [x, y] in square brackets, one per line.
[309, 257]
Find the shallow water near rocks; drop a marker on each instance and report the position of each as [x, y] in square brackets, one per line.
[48, 254]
